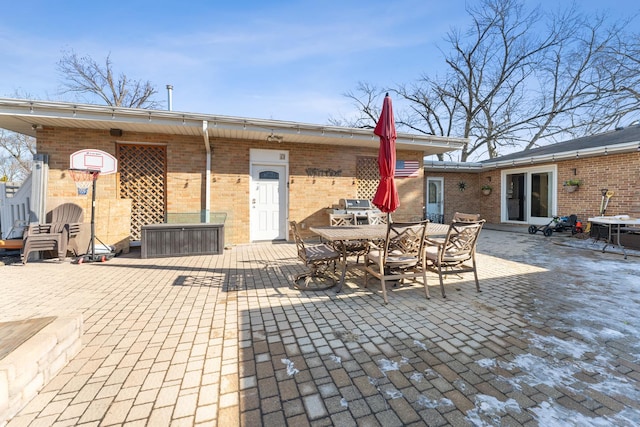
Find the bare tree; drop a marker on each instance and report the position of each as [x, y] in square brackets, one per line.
[84, 76]
[516, 79]
[16, 155]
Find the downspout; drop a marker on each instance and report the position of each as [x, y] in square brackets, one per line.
[207, 191]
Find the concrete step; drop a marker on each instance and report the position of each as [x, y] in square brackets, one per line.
[35, 350]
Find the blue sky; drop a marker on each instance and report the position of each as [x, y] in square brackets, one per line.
[284, 60]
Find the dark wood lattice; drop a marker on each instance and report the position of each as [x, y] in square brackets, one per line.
[367, 177]
[143, 180]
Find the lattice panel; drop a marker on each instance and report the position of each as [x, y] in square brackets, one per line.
[142, 179]
[367, 177]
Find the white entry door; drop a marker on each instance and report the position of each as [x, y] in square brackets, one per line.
[268, 203]
[435, 200]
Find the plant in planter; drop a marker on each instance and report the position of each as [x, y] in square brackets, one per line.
[486, 189]
[572, 185]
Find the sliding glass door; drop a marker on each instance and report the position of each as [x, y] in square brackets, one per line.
[529, 195]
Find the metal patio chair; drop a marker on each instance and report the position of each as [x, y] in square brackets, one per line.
[453, 254]
[460, 216]
[318, 258]
[376, 218]
[355, 248]
[399, 257]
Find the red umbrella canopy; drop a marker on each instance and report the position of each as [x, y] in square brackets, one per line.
[386, 198]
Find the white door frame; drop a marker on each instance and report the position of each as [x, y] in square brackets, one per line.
[553, 189]
[436, 179]
[261, 158]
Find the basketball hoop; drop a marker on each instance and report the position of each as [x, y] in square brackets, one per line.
[83, 179]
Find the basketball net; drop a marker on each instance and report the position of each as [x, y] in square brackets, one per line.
[83, 179]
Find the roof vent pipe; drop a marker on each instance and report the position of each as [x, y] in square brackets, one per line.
[169, 97]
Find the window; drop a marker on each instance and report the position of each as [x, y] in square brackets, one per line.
[271, 175]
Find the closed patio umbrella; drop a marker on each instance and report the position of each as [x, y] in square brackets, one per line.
[386, 198]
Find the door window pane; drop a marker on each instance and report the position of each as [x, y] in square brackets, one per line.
[515, 196]
[540, 195]
[269, 175]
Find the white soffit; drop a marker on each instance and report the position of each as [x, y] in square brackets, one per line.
[26, 117]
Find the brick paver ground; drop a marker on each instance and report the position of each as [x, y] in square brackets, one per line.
[225, 340]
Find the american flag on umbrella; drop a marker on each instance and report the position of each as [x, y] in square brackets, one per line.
[407, 169]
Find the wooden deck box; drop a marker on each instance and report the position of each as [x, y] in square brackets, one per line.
[167, 240]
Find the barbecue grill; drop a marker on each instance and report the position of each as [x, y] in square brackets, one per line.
[360, 207]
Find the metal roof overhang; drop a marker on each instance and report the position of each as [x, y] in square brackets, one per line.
[26, 117]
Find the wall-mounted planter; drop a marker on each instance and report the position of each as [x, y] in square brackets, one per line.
[570, 188]
[486, 191]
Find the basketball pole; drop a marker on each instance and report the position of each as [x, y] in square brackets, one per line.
[93, 219]
[90, 255]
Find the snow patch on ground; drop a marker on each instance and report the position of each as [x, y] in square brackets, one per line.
[550, 414]
[429, 403]
[489, 410]
[591, 301]
[291, 370]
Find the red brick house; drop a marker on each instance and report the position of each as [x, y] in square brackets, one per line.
[528, 187]
[257, 174]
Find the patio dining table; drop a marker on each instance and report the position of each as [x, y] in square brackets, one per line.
[339, 236]
[616, 223]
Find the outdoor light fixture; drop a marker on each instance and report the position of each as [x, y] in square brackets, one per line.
[275, 138]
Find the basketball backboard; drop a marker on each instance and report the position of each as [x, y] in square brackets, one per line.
[95, 160]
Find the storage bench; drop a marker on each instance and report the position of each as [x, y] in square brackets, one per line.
[167, 240]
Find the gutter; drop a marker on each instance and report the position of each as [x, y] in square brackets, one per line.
[207, 185]
[36, 112]
[626, 147]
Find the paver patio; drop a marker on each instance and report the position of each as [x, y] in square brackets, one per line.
[226, 340]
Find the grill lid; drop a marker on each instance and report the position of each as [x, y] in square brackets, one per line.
[356, 204]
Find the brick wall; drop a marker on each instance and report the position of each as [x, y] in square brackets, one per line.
[469, 200]
[619, 173]
[309, 197]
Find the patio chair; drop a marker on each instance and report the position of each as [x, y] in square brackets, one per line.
[341, 220]
[72, 216]
[453, 254]
[351, 247]
[318, 258]
[459, 216]
[400, 256]
[57, 234]
[376, 218]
